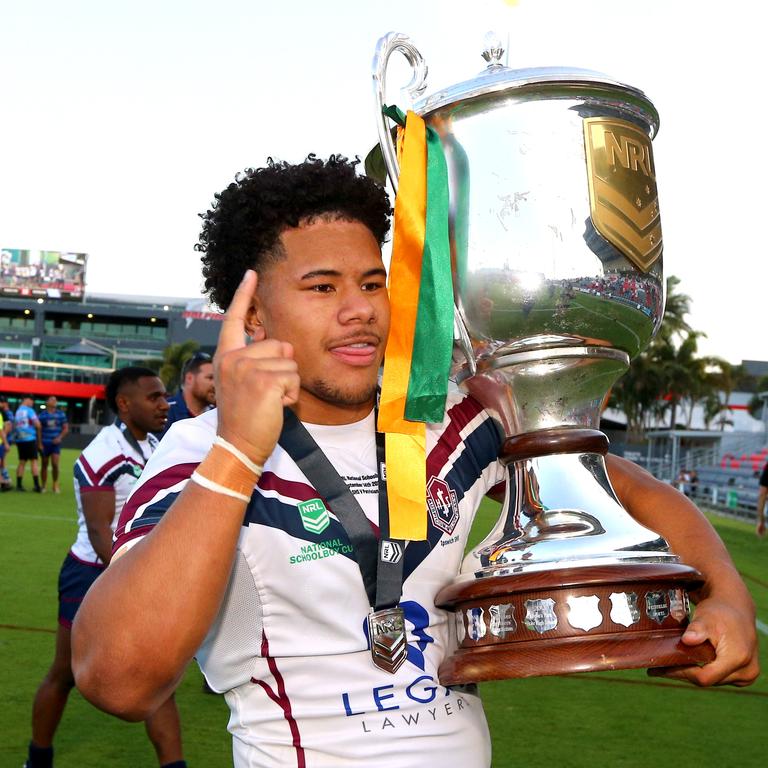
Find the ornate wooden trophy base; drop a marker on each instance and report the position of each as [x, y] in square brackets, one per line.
[580, 619]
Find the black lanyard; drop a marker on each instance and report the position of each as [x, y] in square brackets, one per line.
[380, 561]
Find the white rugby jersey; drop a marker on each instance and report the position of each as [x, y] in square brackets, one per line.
[110, 462]
[289, 646]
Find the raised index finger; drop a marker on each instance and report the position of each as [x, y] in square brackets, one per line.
[232, 333]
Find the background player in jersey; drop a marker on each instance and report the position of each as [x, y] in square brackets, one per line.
[762, 495]
[54, 428]
[197, 393]
[104, 474]
[224, 549]
[26, 435]
[6, 427]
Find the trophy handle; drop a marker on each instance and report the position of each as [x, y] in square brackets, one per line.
[387, 45]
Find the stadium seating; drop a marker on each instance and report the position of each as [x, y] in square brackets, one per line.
[732, 484]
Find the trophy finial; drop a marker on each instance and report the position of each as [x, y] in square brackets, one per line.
[493, 50]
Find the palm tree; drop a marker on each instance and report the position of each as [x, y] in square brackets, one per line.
[677, 306]
[174, 357]
[664, 374]
[635, 394]
[712, 407]
[680, 371]
[721, 376]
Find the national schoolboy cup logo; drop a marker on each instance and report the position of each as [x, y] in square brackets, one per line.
[314, 515]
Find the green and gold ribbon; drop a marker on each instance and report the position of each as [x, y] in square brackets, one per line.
[417, 362]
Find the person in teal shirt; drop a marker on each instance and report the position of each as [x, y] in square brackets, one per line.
[27, 436]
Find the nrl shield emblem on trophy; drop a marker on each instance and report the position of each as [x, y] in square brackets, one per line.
[556, 259]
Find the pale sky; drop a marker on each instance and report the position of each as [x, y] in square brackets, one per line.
[120, 120]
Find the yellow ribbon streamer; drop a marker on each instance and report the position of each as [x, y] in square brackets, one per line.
[405, 440]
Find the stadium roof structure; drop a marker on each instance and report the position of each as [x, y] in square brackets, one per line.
[153, 301]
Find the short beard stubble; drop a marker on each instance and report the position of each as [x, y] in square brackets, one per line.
[336, 395]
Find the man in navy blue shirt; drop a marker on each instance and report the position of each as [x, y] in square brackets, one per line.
[197, 393]
[55, 428]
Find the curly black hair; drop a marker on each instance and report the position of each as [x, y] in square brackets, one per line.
[242, 230]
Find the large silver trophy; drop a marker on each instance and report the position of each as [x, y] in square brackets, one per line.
[556, 257]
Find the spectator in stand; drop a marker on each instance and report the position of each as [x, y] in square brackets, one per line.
[197, 393]
[6, 427]
[684, 481]
[26, 430]
[694, 480]
[761, 497]
[55, 428]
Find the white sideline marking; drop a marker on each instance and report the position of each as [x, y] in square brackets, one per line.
[761, 627]
[70, 519]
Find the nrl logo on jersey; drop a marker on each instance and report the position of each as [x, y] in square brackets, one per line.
[442, 504]
[314, 515]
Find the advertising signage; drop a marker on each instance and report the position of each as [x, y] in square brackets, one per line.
[33, 274]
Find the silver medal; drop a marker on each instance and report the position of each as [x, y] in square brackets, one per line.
[386, 630]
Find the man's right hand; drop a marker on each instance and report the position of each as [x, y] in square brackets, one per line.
[254, 381]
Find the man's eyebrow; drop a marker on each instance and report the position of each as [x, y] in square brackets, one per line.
[335, 273]
[321, 273]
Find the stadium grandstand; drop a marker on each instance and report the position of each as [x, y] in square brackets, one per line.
[720, 469]
[56, 338]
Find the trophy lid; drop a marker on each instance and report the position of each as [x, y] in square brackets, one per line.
[499, 79]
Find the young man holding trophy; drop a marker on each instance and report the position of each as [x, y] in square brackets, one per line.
[262, 537]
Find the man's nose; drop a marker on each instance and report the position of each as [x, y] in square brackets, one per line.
[357, 306]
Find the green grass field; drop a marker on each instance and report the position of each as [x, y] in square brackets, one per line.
[614, 719]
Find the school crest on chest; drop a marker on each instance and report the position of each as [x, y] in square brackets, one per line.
[443, 505]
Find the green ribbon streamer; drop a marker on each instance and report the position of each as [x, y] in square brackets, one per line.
[433, 340]
[395, 114]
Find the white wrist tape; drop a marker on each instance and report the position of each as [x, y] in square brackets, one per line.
[217, 488]
[257, 469]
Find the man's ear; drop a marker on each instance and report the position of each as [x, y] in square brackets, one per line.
[253, 324]
[121, 401]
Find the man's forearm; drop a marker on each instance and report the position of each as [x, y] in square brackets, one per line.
[669, 513]
[725, 612]
[101, 541]
[146, 616]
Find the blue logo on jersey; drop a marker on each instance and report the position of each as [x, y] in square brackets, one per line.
[418, 617]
